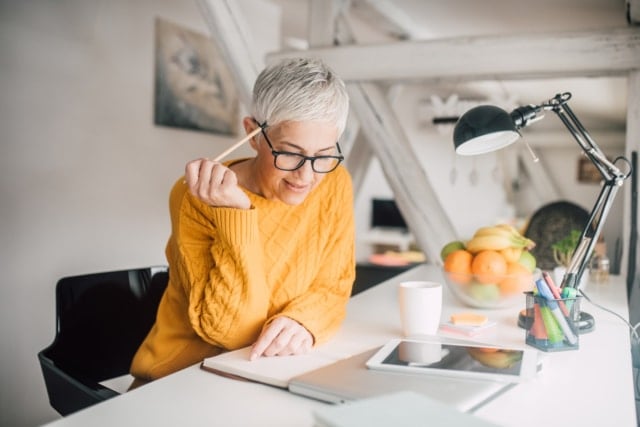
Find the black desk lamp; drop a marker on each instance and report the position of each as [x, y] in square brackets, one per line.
[487, 128]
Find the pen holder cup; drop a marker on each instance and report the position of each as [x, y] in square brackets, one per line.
[551, 324]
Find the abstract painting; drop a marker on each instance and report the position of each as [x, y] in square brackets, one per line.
[193, 85]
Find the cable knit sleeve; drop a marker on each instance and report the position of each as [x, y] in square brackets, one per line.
[215, 254]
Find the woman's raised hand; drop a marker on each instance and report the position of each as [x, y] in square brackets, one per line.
[215, 184]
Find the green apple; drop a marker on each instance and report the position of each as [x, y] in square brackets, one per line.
[528, 260]
[484, 292]
[450, 247]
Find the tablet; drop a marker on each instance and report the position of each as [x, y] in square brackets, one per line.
[458, 359]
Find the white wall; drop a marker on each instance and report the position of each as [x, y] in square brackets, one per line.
[84, 173]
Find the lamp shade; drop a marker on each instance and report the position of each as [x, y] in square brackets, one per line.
[484, 129]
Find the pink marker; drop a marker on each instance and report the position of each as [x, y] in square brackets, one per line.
[555, 292]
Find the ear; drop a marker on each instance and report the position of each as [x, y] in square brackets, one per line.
[249, 126]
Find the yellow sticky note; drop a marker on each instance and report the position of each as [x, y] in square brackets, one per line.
[471, 319]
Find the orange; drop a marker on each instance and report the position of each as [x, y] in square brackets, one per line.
[518, 279]
[488, 266]
[458, 265]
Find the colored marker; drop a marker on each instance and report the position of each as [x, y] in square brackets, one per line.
[569, 294]
[552, 305]
[556, 293]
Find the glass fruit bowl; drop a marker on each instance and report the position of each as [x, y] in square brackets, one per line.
[484, 291]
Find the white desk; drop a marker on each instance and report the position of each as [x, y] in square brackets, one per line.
[592, 386]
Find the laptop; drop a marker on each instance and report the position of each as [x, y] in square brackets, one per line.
[349, 379]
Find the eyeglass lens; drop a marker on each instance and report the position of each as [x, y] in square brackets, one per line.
[293, 161]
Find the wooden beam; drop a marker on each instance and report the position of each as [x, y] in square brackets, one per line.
[358, 161]
[322, 22]
[414, 194]
[570, 54]
[402, 24]
[231, 33]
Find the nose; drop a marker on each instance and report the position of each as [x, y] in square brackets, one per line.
[305, 171]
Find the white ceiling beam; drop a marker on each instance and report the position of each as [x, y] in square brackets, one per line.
[231, 33]
[358, 160]
[520, 56]
[411, 187]
[322, 22]
[398, 19]
[379, 124]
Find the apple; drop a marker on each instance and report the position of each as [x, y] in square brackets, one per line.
[528, 260]
[450, 247]
[484, 292]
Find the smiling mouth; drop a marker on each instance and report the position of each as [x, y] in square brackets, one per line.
[297, 187]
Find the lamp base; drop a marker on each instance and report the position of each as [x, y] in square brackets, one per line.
[586, 322]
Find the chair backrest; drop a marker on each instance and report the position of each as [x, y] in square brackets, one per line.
[101, 320]
[551, 223]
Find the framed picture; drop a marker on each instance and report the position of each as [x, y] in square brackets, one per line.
[588, 173]
[193, 85]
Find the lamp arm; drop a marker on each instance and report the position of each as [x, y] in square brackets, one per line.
[590, 234]
[611, 174]
[608, 170]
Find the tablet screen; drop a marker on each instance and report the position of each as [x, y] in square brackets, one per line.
[434, 355]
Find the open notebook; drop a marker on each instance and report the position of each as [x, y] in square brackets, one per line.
[337, 377]
[276, 371]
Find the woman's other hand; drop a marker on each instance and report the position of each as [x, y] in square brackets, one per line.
[283, 337]
[215, 184]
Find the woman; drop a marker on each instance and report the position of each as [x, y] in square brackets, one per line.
[262, 249]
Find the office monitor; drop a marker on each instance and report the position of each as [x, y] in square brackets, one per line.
[385, 214]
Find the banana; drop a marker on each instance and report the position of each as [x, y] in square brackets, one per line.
[493, 231]
[490, 242]
[511, 254]
[497, 238]
[509, 227]
[501, 359]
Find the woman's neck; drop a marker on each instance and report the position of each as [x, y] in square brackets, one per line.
[246, 177]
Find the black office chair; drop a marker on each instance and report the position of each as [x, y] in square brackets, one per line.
[551, 223]
[101, 319]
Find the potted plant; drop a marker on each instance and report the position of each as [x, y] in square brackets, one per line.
[563, 252]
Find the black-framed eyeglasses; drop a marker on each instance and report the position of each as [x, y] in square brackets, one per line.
[287, 161]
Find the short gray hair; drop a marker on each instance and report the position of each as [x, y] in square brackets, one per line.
[300, 89]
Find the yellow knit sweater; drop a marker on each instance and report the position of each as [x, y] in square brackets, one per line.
[233, 270]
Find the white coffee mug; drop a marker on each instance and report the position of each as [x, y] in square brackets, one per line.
[420, 307]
